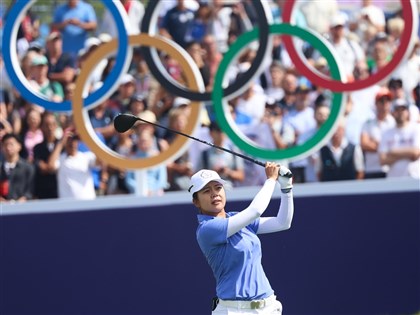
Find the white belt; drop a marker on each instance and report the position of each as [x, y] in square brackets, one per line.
[253, 305]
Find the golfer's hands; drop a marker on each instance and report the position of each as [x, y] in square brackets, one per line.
[272, 170]
[285, 179]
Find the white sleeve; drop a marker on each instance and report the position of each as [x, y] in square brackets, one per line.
[359, 160]
[284, 217]
[258, 205]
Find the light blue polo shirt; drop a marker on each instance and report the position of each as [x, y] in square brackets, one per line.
[235, 261]
[74, 36]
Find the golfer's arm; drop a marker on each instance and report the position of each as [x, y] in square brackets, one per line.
[258, 205]
[284, 217]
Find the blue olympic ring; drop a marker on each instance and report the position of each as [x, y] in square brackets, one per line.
[13, 69]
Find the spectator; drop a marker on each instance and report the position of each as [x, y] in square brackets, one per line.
[61, 66]
[97, 74]
[177, 22]
[28, 30]
[349, 51]
[373, 14]
[363, 101]
[230, 167]
[409, 72]
[200, 24]
[33, 134]
[213, 56]
[159, 143]
[272, 132]
[74, 19]
[372, 132]
[281, 132]
[252, 102]
[150, 182]
[180, 170]
[135, 12]
[101, 117]
[125, 147]
[395, 28]
[339, 159]
[26, 64]
[126, 90]
[146, 84]
[289, 85]
[274, 88]
[5, 125]
[45, 177]
[16, 174]
[304, 169]
[137, 104]
[74, 175]
[381, 54]
[220, 24]
[198, 54]
[242, 18]
[397, 90]
[301, 117]
[318, 14]
[51, 90]
[400, 146]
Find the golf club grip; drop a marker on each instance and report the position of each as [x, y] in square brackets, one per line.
[245, 157]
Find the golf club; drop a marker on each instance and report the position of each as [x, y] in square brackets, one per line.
[124, 122]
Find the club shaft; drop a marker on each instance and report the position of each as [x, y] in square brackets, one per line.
[205, 142]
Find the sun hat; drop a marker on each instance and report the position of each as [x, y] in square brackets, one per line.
[202, 178]
[181, 101]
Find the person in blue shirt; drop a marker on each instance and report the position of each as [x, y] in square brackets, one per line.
[230, 243]
[74, 19]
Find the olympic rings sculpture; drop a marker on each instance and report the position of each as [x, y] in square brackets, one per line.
[195, 90]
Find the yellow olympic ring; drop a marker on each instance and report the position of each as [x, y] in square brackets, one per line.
[85, 129]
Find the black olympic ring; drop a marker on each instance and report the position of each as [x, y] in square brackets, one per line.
[152, 59]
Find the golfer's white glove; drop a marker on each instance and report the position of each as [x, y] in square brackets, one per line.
[285, 179]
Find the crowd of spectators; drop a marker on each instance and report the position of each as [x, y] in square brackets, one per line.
[43, 157]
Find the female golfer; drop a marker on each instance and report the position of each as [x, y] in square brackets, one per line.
[230, 244]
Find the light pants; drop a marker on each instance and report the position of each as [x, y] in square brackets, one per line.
[274, 307]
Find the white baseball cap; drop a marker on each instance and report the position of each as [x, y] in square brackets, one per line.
[202, 178]
[180, 101]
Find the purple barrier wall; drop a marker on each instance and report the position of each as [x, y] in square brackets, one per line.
[354, 254]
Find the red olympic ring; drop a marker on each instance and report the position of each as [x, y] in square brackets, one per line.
[338, 86]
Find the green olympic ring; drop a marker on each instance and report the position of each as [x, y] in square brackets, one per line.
[240, 140]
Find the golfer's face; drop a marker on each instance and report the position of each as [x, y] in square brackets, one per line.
[212, 198]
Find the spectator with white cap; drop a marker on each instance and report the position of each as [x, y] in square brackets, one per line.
[74, 20]
[348, 51]
[125, 92]
[96, 74]
[397, 90]
[400, 146]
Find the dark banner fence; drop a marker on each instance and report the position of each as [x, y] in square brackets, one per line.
[345, 254]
